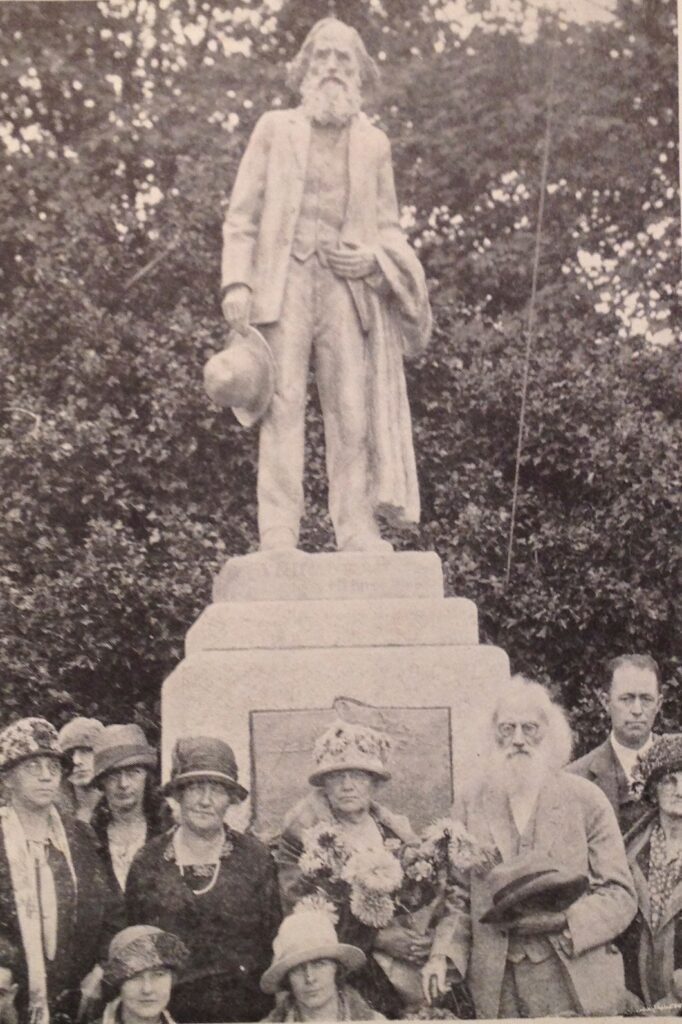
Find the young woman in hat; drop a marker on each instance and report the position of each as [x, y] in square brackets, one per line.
[78, 794]
[49, 861]
[212, 886]
[308, 971]
[349, 766]
[130, 811]
[652, 946]
[141, 967]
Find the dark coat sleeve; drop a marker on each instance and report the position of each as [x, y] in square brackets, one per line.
[100, 908]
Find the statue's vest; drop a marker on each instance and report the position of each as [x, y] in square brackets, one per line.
[325, 194]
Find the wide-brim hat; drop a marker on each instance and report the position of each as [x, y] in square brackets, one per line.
[304, 936]
[80, 733]
[663, 756]
[122, 746]
[531, 882]
[242, 376]
[26, 738]
[142, 947]
[347, 746]
[204, 757]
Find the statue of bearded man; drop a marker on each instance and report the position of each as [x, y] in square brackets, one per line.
[314, 256]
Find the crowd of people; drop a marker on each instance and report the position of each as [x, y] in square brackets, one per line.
[554, 888]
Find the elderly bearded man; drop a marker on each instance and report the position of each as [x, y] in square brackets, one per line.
[546, 962]
[314, 255]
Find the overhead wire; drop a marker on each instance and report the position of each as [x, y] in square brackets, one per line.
[531, 321]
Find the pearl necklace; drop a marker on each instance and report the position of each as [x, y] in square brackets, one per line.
[182, 863]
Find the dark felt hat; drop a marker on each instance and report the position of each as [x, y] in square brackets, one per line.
[531, 882]
[122, 746]
[204, 757]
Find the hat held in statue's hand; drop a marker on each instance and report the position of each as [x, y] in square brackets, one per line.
[242, 376]
[531, 883]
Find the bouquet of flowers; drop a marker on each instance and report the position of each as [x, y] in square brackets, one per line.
[376, 884]
[364, 880]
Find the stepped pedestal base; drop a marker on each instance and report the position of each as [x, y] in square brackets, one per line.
[291, 633]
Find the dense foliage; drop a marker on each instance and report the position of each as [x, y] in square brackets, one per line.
[123, 124]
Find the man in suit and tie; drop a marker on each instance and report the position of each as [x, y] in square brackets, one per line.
[632, 700]
[314, 255]
[543, 962]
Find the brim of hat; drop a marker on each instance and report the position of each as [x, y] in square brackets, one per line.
[76, 746]
[144, 759]
[562, 891]
[172, 786]
[248, 417]
[350, 956]
[317, 777]
[58, 755]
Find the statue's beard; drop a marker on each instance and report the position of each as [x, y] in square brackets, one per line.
[331, 103]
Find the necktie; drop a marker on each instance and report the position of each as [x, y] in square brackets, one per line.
[47, 898]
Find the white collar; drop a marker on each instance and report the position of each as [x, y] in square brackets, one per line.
[627, 756]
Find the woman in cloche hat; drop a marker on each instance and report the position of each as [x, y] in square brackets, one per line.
[212, 886]
[349, 765]
[49, 860]
[76, 739]
[130, 811]
[652, 946]
[308, 971]
[141, 967]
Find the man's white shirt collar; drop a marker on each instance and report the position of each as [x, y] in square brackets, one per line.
[627, 756]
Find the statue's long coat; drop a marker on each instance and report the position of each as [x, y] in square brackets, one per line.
[394, 309]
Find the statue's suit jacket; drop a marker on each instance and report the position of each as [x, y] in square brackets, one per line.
[575, 826]
[259, 226]
[392, 306]
[602, 767]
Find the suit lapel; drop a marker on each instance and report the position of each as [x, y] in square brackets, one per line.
[550, 818]
[299, 134]
[356, 209]
[638, 856]
[605, 769]
[495, 807]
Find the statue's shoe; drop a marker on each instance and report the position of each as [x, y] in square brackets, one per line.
[279, 539]
[368, 542]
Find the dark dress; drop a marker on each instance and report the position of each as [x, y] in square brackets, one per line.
[87, 920]
[159, 820]
[228, 928]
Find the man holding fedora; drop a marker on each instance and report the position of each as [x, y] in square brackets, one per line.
[534, 937]
[213, 887]
[314, 256]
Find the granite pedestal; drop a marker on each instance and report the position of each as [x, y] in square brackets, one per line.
[288, 634]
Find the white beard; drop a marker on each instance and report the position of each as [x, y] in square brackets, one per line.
[521, 775]
[332, 104]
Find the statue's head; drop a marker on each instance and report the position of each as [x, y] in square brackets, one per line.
[331, 71]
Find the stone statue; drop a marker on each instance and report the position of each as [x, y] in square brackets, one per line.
[315, 259]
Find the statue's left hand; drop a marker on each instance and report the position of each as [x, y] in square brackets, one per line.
[355, 261]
